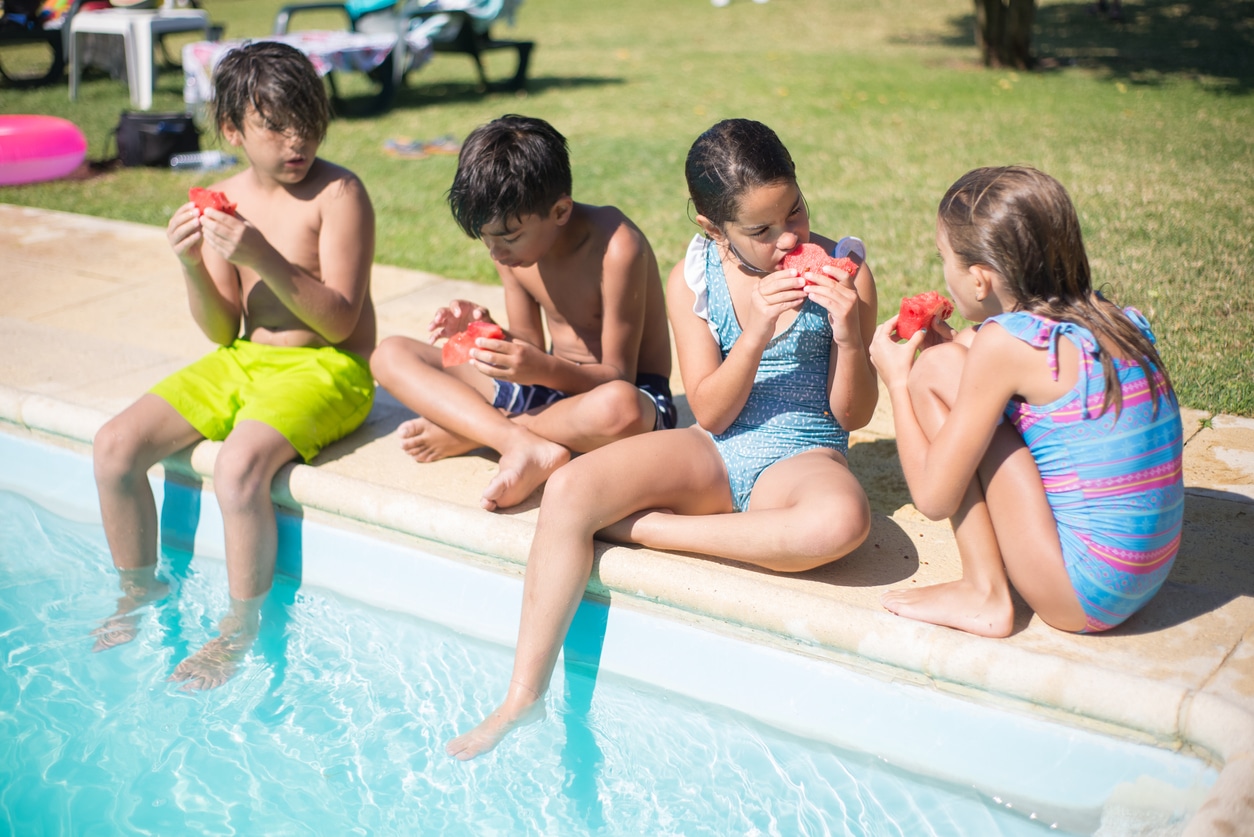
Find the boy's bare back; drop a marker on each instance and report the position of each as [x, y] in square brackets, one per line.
[601, 267]
[323, 226]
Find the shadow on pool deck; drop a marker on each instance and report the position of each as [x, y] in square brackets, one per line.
[94, 313]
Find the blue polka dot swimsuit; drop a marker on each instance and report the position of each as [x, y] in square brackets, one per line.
[787, 412]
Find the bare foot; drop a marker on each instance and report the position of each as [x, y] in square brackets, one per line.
[522, 470]
[138, 589]
[118, 629]
[633, 528]
[956, 604]
[492, 729]
[427, 442]
[217, 661]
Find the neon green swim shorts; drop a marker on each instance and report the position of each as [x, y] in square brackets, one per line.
[312, 396]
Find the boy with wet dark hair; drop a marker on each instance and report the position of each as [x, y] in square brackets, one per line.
[587, 274]
[282, 284]
[266, 77]
[513, 167]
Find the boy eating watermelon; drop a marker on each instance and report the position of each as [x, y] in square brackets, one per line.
[276, 260]
[584, 273]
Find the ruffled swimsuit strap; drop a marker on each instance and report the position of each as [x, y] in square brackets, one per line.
[1138, 319]
[1043, 333]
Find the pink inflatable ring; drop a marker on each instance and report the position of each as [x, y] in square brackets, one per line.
[35, 148]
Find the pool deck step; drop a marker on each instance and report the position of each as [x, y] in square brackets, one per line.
[94, 313]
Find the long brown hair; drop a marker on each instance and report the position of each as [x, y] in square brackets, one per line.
[1021, 224]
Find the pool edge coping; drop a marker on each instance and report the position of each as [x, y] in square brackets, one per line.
[1173, 717]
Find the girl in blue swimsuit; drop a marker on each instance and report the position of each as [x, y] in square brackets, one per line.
[777, 371]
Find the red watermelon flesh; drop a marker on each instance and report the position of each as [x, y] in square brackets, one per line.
[810, 258]
[457, 348]
[209, 199]
[919, 310]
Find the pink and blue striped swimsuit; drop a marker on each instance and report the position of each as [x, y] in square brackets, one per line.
[1115, 483]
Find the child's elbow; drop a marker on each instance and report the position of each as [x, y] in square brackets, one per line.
[935, 508]
[856, 414]
[856, 419]
[709, 420]
[336, 336]
[339, 329]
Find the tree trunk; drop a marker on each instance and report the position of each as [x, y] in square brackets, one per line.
[1003, 32]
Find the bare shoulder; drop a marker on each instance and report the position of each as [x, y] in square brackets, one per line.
[234, 184]
[332, 182]
[624, 241]
[679, 296]
[991, 335]
[992, 346]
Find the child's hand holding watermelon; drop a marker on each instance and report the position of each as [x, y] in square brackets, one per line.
[811, 258]
[457, 348]
[454, 318]
[920, 310]
[209, 199]
[233, 237]
[185, 232]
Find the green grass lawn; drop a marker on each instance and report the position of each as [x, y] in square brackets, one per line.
[1149, 124]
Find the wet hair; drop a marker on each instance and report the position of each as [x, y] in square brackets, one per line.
[278, 82]
[511, 167]
[728, 160]
[1021, 224]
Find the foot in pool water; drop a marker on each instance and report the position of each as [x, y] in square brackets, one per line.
[522, 706]
[139, 587]
[217, 661]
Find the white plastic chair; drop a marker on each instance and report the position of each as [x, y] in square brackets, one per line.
[139, 29]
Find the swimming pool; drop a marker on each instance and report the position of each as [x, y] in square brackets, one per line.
[335, 724]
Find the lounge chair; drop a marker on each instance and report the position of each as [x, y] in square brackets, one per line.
[55, 34]
[460, 26]
[21, 30]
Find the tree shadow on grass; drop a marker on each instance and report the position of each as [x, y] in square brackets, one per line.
[1212, 42]
[414, 94]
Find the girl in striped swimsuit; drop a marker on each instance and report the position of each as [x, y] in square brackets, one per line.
[1077, 496]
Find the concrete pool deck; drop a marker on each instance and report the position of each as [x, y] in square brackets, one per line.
[94, 312]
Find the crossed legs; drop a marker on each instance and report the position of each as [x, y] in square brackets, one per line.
[457, 416]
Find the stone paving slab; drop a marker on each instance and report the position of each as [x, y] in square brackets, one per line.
[93, 314]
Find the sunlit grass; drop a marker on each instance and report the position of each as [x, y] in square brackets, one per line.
[883, 105]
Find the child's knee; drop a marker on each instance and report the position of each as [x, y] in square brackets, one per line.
[392, 357]
[564, 483]
[242, 477]
[616, 407]
[937, 370]
[383, 358]
[114, 452]
[573, 485]
[826, 537]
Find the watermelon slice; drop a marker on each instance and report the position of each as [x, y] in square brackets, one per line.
[209, 199]
[919, 310]
[809, 258]
[457, 348]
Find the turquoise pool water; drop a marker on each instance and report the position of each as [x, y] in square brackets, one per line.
[336, 722]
